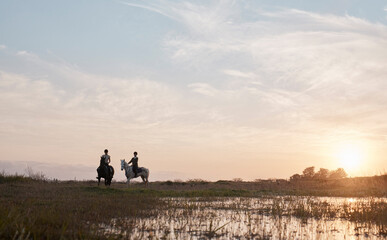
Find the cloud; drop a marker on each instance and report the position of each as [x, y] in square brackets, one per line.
[203, 88]
[85, 93]
[2, 47]
[304, 64]
[238, 74]
[148, 7]
[23, 53]
[200, 18]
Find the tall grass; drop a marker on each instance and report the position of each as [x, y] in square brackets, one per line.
[49, 210]
[30, 175]
[347, 187]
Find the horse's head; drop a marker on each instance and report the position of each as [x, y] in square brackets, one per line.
[122, 164]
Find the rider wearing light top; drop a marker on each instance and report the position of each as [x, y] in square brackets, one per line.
[134, 161]
[105, 160]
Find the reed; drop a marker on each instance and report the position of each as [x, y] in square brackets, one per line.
[32, 209]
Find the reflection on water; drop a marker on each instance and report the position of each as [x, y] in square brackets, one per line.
[257, 218]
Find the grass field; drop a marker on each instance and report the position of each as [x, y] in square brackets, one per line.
[43, 209]
[348, 187]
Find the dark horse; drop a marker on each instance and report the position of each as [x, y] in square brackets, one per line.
[102, 173]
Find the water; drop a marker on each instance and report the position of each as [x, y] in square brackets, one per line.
[256, 218]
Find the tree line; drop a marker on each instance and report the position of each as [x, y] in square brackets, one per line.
[309, 174]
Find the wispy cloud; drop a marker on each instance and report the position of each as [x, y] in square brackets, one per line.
[149, 6]
[203, 88]
[199, 18]
[288, 57]
[238, 74]
[308, 64]
[22, 53]
[109, 95]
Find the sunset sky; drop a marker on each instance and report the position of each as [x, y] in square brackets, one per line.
[201, 89]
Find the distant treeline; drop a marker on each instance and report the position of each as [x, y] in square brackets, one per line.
[323, 173]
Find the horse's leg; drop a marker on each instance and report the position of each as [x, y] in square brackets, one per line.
[143, 179]
[127, 182]
[99, 179]
[146, 181]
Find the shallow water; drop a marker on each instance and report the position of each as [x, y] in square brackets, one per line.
[254, 218]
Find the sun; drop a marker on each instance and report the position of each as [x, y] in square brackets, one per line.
[350, 157]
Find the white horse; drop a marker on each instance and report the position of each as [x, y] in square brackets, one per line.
[130, 174]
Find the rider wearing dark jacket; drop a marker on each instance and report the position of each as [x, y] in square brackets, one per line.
[134, 161]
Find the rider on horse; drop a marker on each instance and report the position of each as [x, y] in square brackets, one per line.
[105, 160]
[134, 162]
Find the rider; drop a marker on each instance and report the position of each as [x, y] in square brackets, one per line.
[134, 161]
[105, 160]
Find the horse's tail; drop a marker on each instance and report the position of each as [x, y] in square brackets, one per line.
[112, 171]
[147, 173]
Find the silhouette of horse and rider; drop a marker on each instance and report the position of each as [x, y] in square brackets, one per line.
[131, 171]
[105, 170]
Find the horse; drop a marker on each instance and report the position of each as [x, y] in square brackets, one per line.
[101, 170]
[143, 172]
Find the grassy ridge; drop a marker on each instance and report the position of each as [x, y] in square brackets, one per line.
[349, 187]
[375, 186]
[42, 209]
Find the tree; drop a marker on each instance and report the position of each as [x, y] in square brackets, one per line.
[323, 173]
[308, 172]
[237, 179]
[295, 177]
[338, 173]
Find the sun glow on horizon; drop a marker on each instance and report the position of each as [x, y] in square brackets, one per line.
[350, 156]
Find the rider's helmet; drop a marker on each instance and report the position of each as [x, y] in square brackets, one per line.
[106, 151]
[135, 153]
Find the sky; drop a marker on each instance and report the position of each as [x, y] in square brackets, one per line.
[200, 89]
